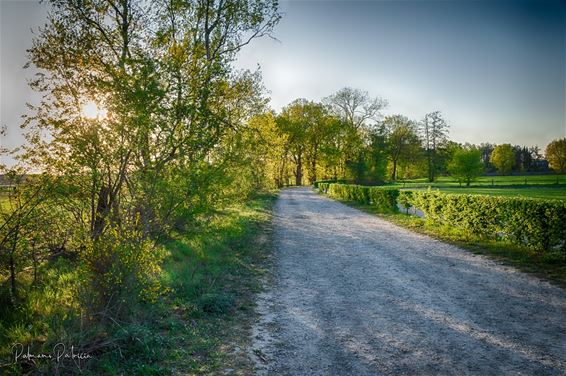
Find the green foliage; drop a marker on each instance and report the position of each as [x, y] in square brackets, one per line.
[466, 165]
[538, 224]
[556, 154]
[120, 268]
[338, 181]
[216, 303]
[503, 158]
[434, 133]
[403, 143]
[384, 199]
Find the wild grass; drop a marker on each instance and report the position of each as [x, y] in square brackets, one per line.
[210, 274]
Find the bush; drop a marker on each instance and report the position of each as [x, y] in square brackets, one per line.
[216, 303]
[384, 199]
[338, 181]
[538, 224]
[120, 269]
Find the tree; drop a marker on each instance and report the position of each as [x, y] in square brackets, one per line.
[556, 155]
[402, 137]
[305, 125]
[175, 108]
[466, 165]
[355, 106]
[358, 111]
[434, 133]
[503, 158]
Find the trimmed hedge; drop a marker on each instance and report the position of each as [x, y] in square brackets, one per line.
[535, 223]
[339, 181]
[383, 198]
[538, 224]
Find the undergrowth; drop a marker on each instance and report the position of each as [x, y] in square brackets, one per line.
[210, 274]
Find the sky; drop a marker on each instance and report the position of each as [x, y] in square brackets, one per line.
[496, 69]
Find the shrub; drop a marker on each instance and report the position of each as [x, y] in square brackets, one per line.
[216, 303]
[338, 181]
[120, 269]
[384, 199]
[537, 224]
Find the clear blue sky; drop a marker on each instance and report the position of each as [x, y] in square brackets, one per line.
[496, 69]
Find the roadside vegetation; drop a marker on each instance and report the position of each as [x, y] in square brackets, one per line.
[526, 232]
[130, 222]
[199, 323]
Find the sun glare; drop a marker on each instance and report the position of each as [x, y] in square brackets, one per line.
[91, 110]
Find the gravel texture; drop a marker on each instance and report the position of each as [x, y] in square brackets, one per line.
[351, 294]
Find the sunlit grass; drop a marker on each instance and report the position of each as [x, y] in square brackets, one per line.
[211, 270]
[535, 186]
[533, 192]
[487, 181]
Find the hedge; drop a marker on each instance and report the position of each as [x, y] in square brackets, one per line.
[535, 223]
[538, 224]
[338, 181]
[384, 199]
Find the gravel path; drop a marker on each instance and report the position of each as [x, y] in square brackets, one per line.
[351, 294]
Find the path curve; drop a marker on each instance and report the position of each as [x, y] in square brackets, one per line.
[352, 294]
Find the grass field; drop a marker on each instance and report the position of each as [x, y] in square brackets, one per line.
[532, 192]
[534, 186]
[489, 181]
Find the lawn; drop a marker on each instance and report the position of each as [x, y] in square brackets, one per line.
[534, 186]
[487, 181]
[533, 192]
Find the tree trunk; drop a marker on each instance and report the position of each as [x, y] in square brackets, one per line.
[430, 167]
[394, 174]
[299, 173]
[12, 262]
[313, 168]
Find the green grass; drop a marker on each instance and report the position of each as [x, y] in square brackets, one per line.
[209, 276]
[537, 186]
[551, 267]
[488, 181]
[533, 192]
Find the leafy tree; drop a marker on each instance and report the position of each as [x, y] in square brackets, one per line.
[175, 110]
[466, 165]
[556, 154]
[402, 139]
[486, 149]
[434, 133]
[358, 111]
[503, 158]
[377, 154]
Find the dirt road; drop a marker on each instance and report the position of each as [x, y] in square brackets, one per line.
[351, 294]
